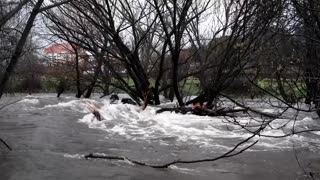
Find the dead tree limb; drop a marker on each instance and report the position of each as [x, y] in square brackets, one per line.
[202, 111]
[230, 153]
[3, 142]
[94, 109]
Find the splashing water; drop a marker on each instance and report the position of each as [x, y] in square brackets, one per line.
[124, 121]
[167, 128]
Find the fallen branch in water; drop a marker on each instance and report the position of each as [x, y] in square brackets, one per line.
[230, 153]
[94, 109]
[6, 105]
[202, 111]
[3, 142]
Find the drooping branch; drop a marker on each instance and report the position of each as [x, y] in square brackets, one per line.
[230, 153]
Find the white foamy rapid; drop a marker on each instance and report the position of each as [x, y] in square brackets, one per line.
[29, 101]
[73, 156]
[74, 105]
[216, 133]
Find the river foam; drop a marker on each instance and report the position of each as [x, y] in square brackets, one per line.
[169, 128]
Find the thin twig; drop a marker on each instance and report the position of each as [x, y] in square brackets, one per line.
[6, 144]
[269, 115]
[309, 175]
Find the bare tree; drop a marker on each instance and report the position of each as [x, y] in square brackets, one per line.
[18, 50]
[308, 12]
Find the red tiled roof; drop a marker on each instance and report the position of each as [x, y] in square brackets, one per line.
[59, 48]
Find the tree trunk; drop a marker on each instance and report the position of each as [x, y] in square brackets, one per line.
[281, 89]
[311, 72]
[78, 84]
[156, 95]
[171, 94]
[175, 59]
[312, 34]
[93, 82]
[159, 77]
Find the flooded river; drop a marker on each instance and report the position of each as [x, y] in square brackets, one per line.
[50, 136]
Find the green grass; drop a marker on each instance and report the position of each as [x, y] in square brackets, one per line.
[298, 89]
[191, 86]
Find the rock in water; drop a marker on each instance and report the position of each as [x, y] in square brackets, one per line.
[114, 97]
[128, 101]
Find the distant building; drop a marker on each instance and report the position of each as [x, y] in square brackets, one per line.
[59, 54]
[64, 55]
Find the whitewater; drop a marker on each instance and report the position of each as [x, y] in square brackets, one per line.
[132, 123]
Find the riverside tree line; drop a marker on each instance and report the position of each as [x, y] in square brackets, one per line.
[149, 48]
[152, 48]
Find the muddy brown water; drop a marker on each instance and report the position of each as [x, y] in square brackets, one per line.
[49, 144]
